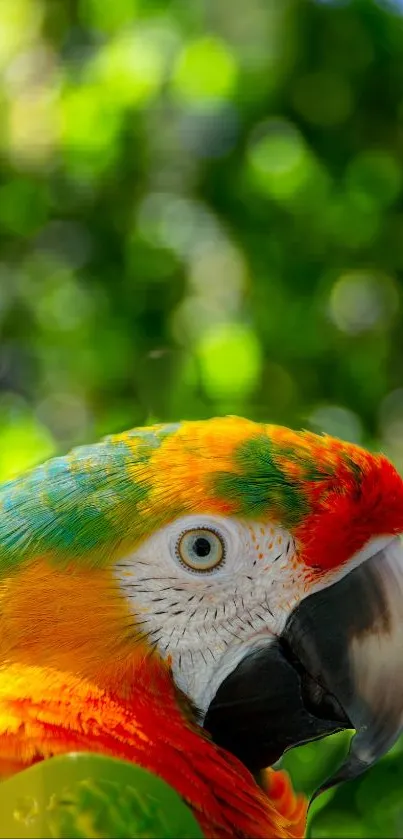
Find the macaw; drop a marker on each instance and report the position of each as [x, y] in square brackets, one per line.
[197, 598]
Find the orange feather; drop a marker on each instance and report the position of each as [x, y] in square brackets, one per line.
[45, 712]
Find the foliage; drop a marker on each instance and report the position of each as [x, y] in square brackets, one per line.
[201, 213]
[91, 796]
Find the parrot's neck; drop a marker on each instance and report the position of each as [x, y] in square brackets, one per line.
[44, 712]
[75, 621]
[76, 675]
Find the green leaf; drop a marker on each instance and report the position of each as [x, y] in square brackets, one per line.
[370, 806]
[84, 795]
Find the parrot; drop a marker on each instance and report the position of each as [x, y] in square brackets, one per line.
[197, 598]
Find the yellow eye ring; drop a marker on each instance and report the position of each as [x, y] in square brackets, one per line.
[201, 549]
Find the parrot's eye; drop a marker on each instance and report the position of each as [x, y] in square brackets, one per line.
[200, 550]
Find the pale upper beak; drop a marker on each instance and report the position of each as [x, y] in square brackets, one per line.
[337, 664]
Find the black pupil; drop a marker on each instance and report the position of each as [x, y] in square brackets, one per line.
[201, 546]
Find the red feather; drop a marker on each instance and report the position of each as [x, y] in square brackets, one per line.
[150, 730]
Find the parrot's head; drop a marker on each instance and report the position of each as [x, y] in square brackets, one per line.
[262, 568]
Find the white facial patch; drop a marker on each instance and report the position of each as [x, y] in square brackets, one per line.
[206, 620]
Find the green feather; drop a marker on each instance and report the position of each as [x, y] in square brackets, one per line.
[257, 480]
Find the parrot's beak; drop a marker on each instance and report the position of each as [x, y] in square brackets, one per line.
[337, 664]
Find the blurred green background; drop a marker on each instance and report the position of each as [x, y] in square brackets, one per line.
[201, 213]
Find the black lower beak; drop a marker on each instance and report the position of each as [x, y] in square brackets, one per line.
[338, 664]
